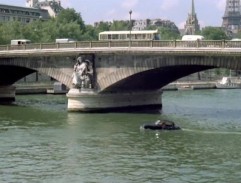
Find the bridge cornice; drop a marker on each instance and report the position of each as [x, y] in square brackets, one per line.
[126, 51]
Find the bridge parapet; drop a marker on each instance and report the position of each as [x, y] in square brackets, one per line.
[134, 44]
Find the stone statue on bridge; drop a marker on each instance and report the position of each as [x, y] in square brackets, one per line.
[83, 73]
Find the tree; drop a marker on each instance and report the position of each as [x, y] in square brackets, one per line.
[120, 26]
[90, 33]
[99, 27]
[102, 26]
[166, 33]
[214, 33]
[69, 30]
[70, 15]
[11, 30]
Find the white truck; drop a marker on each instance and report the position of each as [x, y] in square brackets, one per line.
[192, 37]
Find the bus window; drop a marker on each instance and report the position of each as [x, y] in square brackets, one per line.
[123, 36]
[115, 36]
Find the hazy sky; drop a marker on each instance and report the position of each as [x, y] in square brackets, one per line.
[209, 12]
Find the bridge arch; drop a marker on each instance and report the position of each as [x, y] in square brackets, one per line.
[14, 69]
[154, 72]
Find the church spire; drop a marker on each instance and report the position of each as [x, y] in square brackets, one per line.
[193, 9]
[192, 26]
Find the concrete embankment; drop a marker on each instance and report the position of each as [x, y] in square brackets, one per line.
[33, 88]
[43, 88]
[197, 85]
[40, 88]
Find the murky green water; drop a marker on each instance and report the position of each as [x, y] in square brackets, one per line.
[41, 142]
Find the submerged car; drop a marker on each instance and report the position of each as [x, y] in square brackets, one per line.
[161, 125]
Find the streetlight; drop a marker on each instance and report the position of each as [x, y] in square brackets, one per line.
[130, 12]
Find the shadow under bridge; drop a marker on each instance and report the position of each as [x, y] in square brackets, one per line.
[11, 74]
[154, 79]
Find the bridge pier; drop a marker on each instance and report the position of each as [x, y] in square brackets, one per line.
[7, 94]
[91, 101]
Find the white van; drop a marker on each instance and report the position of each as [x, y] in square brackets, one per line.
[65, 40]
[20, 42]
[192, 37]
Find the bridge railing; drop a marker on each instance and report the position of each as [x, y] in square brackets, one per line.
[119, 44]
[163, 43]
[186, 44]
[134, 43]
[212, 44]
[3, 48]
[233, 44]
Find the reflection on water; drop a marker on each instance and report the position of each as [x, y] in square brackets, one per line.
[42, 142]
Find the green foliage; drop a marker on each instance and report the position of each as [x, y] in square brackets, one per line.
[222, 72]
[11, 30]
[93, 32]
[166, 33]
[214, 33]
[103, 26]
[90, 34]
[217, 72]
[68, 24]
[152, 27]
[120, 25]
[70, 15]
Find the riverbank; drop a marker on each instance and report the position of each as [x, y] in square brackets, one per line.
[191, 85]
[48, 87]
[33, 88]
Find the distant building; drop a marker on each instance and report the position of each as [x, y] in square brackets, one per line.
[31, 3]
[35, 10]
[22, 14]
[232, 17]
[164, 23]
[140, 24]
[143, 24]
[53, 6]
[192, 26]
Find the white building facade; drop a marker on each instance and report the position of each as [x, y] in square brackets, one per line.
[52, 6]
[22, 14]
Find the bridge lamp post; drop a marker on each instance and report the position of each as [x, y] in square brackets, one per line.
[130, 12]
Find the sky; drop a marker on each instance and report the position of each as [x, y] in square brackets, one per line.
[209, 12]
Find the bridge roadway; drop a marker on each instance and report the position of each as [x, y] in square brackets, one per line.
[125, 74]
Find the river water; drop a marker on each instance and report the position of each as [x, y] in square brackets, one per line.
[41, 142]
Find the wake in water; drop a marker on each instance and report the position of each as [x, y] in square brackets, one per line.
[212, 132]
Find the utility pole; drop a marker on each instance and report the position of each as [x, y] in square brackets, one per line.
[130, 12]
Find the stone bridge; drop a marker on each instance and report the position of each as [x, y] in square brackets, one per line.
[143, 67]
